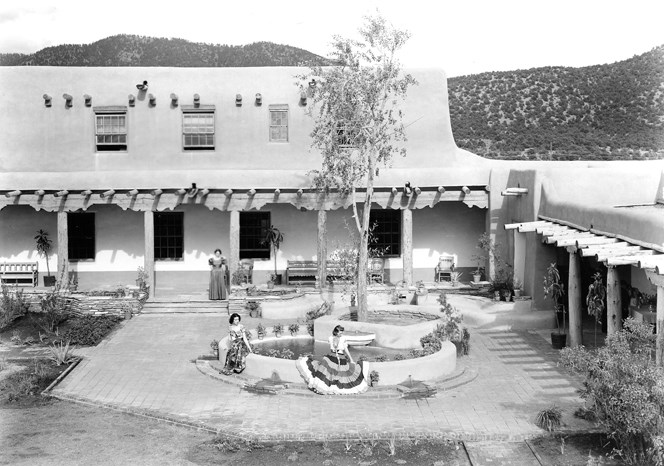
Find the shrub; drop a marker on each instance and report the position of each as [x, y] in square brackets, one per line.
[374, 377]
[625, 390]
[549, 418]
[449, 330]
[90, 330]
[277, 328]
[61, 353]
[260, 329]
[294, 328]
[310, 328]
[54, 311]
[12, 306]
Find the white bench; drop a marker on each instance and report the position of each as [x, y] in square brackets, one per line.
[19, 273]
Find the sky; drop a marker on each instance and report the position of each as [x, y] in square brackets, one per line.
[461, 37]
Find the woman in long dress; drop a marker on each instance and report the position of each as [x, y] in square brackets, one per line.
[239, 346]
[336, 373]
[218, 276]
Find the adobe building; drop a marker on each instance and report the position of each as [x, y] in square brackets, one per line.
[157, 167]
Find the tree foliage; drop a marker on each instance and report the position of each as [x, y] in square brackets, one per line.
[357, 120]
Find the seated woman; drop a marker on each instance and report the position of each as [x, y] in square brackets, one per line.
[239, 346]
[336, 373]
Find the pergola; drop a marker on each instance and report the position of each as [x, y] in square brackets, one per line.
[610, 249]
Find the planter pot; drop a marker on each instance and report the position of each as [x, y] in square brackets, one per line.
[261, 336]
[270, 285]
[49, 280]
[127, 314]
[558, 340]
[477, 277]
[277, 334]
[496, 295]
[507, 295]
[254, 313]
[517, 293]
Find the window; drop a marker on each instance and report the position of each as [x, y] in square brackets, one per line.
[81, 236]
[198, 129]
[386, 231]
[168, 235]
[278, 123]
[110, 129]
[253, 228]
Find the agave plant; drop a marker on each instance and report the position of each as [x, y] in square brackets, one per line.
[61, 353]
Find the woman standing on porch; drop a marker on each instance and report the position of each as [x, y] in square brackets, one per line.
[218, 276]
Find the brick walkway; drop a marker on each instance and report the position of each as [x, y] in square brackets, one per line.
[146, 368]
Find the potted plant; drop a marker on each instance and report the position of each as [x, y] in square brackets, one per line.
[272, 280]
[596, 300]
[142, 279]
[214, 345]
[374, 377]
[486, 246]
[254, 308]
[555, 289]
[294, 328]
[517, 288]
[277, 329]
[44, 244]
[454, 277]
[274, 238]
[261, 331]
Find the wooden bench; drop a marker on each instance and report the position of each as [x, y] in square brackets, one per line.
[19, 273]
[306, 271]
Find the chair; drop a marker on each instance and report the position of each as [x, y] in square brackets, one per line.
[247, 271]
[445, 267]
[376, 270]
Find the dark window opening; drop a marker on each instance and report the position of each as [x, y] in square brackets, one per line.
[81, 236]
[386, 232]
[253, 228]
[168, 235]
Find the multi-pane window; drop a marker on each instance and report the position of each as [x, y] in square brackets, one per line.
[278, 123]
[253, 228]
[198, 130]
[386, 231]
[168, 235]
[81, 235]
[111, 131]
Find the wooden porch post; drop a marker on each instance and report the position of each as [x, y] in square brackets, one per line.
[63, 246]
[322, 248]
[148, 255]
[407, 245]
[574, 300]
[234, 237]
[613, 301]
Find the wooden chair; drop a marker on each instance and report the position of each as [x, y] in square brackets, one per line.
[445, 267]
[376, 270]
[247, 270]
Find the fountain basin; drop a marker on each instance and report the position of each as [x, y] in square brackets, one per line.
[429, 367]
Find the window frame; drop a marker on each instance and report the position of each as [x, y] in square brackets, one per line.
[159, 237]
[189, 111]
[279, 108]
[395, 230]
[76, 240]
[259, 252]
[109, 112]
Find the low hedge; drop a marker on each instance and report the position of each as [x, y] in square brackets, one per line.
[89, 330]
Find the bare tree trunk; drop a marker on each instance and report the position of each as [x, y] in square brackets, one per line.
[363, 252]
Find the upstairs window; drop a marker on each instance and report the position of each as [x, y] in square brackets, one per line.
[278, 123]
[110, 129]
[198, 128]
[253, 228]
[386, 231]
[81, 236]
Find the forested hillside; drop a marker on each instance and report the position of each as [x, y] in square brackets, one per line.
[129, 50]
[604, 111]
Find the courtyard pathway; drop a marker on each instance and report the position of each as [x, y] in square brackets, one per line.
[147, 368]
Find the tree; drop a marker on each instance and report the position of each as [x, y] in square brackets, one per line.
[357, 122]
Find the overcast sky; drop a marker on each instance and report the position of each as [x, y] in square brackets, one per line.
[462, 37]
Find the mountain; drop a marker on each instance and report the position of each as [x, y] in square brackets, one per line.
[130, 50]
[613, 111]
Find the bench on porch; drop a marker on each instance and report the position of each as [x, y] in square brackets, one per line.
[19, 273]
[306, 271]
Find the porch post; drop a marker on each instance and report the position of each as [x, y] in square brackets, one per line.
[322, 248]
[63, 246]
[574, 300]
[407, 245]
[148, 255]
[234, 237]
[613, 301]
